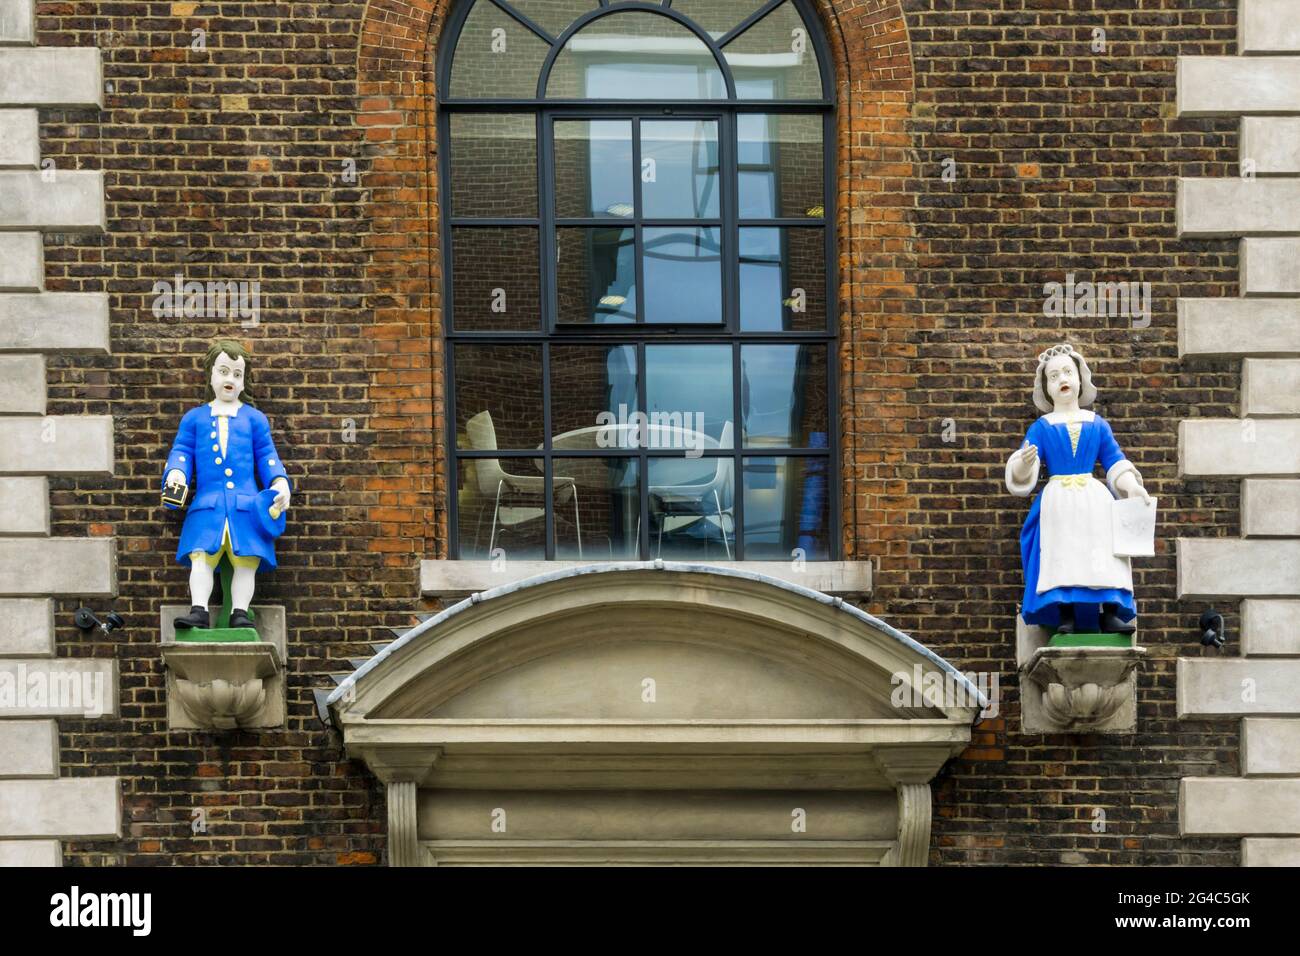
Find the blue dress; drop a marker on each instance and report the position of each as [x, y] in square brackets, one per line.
[1065, 545]
[225, 486]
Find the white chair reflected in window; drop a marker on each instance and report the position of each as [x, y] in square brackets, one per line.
[495, 483]
[681, 507]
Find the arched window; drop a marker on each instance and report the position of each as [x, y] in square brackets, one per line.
[639, 280]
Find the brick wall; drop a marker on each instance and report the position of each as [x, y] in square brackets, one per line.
[232, 162]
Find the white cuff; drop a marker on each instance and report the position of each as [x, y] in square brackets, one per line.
[1114, 471]
[1023, 489]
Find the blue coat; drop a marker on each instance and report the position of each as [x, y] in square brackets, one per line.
[224, 486]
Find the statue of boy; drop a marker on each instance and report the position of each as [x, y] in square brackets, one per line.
[225, 447]
[1073, 578]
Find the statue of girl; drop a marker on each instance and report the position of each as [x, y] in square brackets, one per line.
[1073, 579]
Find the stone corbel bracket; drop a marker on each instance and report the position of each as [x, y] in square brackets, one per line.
[226, 686]
[1075, 690]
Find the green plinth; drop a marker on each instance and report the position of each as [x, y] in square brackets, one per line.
[222, 633]
[1091, 640]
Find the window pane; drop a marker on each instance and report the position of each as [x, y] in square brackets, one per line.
[494, 165]
[780, 162]
[635, 55]
[787, 506]
[717, 17]
[593, 169]
[597, 508]
[595, 275]
[689, 387]
[500, 507]
[783, 395]
[692, 508]
[775, 59]
[593, 387]
[498, 397]
[682, 274]
[679, 169]
[782, 279]
[497, 57]
[496, 278]
[553, 15]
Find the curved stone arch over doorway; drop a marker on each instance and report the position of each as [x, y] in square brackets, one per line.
[655, 713]
[398, 187]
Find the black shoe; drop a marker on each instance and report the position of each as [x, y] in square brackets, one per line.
[239, 618]
[198, 617]
[1067, 620]
[1111, 624]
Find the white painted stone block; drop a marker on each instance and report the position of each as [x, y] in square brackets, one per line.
[1237, 207]
[1270, 628]
[22, 262]
[1270, 266]
[1238, 686]
[54, 322]
[32, 567]
[1272, 143]
[1237, 806]
[73, 201]
[19, 139]
[25, 505]
[30, 853]
[71, 808]
[26, 627]
[17, 21]
[29, 748]
[1235, 567]
[1238, 327]
[1225, 85]
[1270, 746]
[57, 445]
[1270, 851]
[51, 76]
[1270, 507]
[1239, 448]
[1270, 387]
[58, 687]
[1268, 26]
[22, 384]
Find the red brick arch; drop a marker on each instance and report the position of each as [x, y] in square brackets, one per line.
[407, 489]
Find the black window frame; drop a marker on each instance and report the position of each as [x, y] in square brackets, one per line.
[641, 334]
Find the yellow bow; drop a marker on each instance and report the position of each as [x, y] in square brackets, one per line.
[1073, 481]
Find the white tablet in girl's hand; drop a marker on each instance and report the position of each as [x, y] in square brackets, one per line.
[1133, 527]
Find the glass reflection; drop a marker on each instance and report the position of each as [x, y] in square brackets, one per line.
[493, 165]
[497, 57]
[787, 507]
[775, 59]
[593, 169]
[783, 395]
[500, 508]
[496, 278]
[600, 520]
[782, 279]
[595, 275]
[679, 169]
[717, 17]
[632, 55]
[689, 395]
[498, 396]
[692, 508]
[683, 274]
[779, 156]
[593, 395]
[553, 15]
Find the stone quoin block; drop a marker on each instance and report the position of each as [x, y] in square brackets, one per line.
[72, 202]
[58, 687]
[1270, 267]
[1270, 851]
[24, 504]
[1235, 806]
[17, 21]
[51, 76]
[22, 384]
[1272, 143]
[1233, 567]
[1270, 746]
[54, 322]
[1238, 687]
[1268, 26]
[19, 139]
[1226, 85]
[1270, 507]
[30, 853]
[1238, 327]
[57, 566]
[1239, 448]
[1270, 387]
[57, 445]
[26, 627]
[22, 262]
[1237, 207]
[29, 748]
[1270, 627]
[72, 808]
